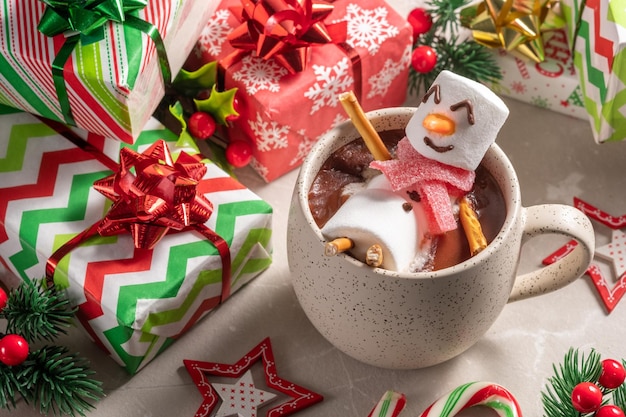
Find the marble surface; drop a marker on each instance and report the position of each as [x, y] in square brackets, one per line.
[556, 160]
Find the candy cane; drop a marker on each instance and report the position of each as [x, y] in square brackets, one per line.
[390, 405]
[473, 394]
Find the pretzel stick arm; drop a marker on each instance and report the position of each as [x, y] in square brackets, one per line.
[471, 226]
[364, 126]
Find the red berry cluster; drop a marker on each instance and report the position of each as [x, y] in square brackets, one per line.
[13, 347]
[587, 396]
[202, 126]
[424, 57]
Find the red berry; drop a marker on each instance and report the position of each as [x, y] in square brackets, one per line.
[13, 349]
[609, 411]
[613, 374]
[586, 397]
[424, 59]
[201, 125]
[420, 21]
[238, 153]
[3, 299]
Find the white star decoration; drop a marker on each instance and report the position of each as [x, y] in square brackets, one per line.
[615, 252]
[241, 398]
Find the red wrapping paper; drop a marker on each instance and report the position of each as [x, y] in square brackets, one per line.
[282, 113]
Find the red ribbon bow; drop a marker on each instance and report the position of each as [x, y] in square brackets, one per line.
[285, 30]
[158, 196]
[152, 195]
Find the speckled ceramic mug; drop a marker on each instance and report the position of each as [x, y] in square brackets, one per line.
[415, 320]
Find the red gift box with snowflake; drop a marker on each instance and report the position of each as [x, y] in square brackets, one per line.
[366, 47]
[552, 84]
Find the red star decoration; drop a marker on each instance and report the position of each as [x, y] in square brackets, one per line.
[199, 371]
[564, 103]
[610, 296]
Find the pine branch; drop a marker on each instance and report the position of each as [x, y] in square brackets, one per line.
[59, 382]
[466, 57]
[557, 398]
[10, 387]
[37, 312]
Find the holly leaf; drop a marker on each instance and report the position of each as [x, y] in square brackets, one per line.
[191, 82]
[185, 140]
[220, 104]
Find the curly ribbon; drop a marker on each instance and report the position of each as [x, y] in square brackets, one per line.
[515, 25]
[152, 195]
[84, 21]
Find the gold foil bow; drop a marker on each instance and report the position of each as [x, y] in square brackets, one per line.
[285, 30]
[515, 25]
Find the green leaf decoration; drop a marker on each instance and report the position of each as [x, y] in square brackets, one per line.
[37, 312]
[185, 140]
[190, 82]
[219, 104]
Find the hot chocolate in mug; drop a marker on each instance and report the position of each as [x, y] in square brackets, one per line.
[414, 320]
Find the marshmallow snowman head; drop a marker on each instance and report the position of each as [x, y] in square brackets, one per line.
[457, 121]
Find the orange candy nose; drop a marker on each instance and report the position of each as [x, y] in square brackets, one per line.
[438, 123]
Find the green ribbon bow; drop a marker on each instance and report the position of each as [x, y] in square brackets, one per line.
[87, 19]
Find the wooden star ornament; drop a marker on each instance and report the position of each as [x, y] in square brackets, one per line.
[613, 252]
[246, 398]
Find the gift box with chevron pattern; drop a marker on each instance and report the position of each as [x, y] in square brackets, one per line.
[134, 302]
[597, 35]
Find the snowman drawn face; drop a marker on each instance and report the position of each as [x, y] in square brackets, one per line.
[456, 122]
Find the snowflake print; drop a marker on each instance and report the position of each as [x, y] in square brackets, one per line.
[518, 87]
[381, 82]
[304, 146]
[307, 142]
[260, 74]
[269, 134]
[368, 28]
[259, 168]
[330, 82]
[214, 33]
[540, 102]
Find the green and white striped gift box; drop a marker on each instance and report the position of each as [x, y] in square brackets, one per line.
[113, 84]
[133, 302]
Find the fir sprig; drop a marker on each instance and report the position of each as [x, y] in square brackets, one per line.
[37, 312]
[51, 378]
[557, 400]
[462, 56]
[60, 382]
[10, 387]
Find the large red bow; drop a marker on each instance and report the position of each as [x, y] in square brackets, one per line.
[151, 195]
[285, 30]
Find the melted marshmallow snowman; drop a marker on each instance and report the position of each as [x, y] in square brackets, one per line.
[457, 121]
[445, 141]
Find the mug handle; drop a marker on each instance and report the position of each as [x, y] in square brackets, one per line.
[561, 219]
